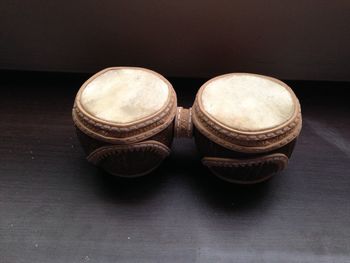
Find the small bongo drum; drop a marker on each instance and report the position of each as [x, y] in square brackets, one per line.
[124, 117]
[245, 126]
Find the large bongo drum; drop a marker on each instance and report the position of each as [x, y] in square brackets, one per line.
[245, 126]
[124, 117]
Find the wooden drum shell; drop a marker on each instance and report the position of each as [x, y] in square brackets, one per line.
[129, 163]
[244, 157]
[126, 150]
[239, 173]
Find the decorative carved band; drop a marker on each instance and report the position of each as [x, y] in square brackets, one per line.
[147, 146]
[252, 142]
[246, 171]
[131, 160]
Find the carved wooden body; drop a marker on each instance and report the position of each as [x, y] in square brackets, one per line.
[244, 156]
[137, 148]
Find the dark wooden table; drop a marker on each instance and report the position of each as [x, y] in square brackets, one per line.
[56, 207]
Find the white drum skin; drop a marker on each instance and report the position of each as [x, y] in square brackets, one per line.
[124, 95]
[247, 102]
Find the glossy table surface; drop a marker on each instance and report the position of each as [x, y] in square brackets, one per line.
[56, 207]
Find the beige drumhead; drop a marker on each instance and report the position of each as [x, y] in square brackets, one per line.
[125, 95]
[248, 102]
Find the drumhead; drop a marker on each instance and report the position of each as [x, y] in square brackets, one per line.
[248, 102]
[125, 95]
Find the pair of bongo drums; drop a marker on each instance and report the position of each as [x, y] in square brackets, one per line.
[245, 125]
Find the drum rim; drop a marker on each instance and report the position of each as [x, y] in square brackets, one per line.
[293, 117]
[131, 132]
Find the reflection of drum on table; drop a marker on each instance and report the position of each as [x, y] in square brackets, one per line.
[245, 126]
[124, 119]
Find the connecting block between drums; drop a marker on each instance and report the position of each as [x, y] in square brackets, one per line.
[183, 127]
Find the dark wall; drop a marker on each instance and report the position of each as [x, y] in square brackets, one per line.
[287, 39]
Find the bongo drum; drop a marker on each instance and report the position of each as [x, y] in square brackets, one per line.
[245, 126]
[124, 117]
